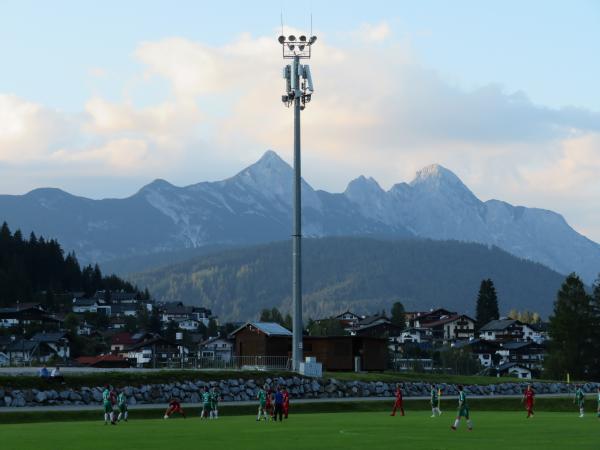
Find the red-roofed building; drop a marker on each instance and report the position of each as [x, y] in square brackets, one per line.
[120, 341]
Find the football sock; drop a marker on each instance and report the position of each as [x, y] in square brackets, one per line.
[456, 422]
[469, 424]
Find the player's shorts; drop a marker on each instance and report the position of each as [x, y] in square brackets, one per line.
[463, 412]
[262, 404]
[206, 406]
[214, 406]
[580, 403]
[107, 408]
[123, 407]
[434, 403]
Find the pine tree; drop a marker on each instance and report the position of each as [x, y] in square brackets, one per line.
[213, 328]
[487, 303]
[398, 315]
[571, 328]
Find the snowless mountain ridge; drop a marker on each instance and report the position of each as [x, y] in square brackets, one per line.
[255, 206]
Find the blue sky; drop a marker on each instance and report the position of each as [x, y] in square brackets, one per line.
[548, 49]
[99, 98]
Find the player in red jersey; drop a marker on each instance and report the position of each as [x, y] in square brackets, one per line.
[286, 401]
[269, 405]
[398, 402]
[528, 398]
[174, 407]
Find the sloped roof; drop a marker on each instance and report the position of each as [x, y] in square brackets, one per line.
[371, 319]
[510, 365]
[452, 318]
[49, 337]
[515, 345]
[123, 338]
[22, 345]
[498, 325]
[84, 302]
[268, 328]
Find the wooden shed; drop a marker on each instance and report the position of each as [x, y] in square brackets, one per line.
[262, 339]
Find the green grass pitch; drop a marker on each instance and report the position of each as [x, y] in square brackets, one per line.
[356, 430]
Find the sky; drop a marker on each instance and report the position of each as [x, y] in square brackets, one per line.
[100, 98]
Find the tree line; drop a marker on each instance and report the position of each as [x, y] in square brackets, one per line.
[37, 270]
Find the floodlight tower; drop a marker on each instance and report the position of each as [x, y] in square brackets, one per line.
[298, 92]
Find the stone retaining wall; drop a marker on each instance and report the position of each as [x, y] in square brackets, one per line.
[246, 389]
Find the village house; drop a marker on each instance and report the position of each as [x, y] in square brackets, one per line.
[508, 330]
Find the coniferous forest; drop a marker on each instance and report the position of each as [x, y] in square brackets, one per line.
[35, 269]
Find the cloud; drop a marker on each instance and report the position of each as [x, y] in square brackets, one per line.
[371, 33]
[371, 114]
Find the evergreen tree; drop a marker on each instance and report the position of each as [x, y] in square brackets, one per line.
[398, 315]
[71, 323]
[571, 348]
[155, 324]
[288, 322]
[326, 327]
[213, 328]
[171, 331]
[487, 303]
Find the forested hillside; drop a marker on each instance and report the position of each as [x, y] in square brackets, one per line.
[365, 275]
[36, 269]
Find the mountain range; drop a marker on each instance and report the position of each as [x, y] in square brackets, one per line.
[254, 206]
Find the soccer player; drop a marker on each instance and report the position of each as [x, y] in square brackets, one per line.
[206, 400]
[122, 405]
[269, 405]
[580, 399]
[398, 402]
[214, 403]
[463, 410]
[286, 402]
[278, 404]
[528, 398]
[174, 407]
[262, 404]
[439, 401]
[107, 403]
[435, 405]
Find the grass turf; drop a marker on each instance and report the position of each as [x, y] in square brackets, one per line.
[365, 430]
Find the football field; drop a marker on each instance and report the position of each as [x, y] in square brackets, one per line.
[368, 431]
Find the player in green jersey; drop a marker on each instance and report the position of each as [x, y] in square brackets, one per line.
[109, 414]
[435, 401]
[262, 403]
[206, 400]
[122, 405]
[214, 403]
[579, 399]
[463, 410]
[598, 401]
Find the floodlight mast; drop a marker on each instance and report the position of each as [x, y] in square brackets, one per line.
[299, 89]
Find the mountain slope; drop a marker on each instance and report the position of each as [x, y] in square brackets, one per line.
[254, 206]
[362, 274]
